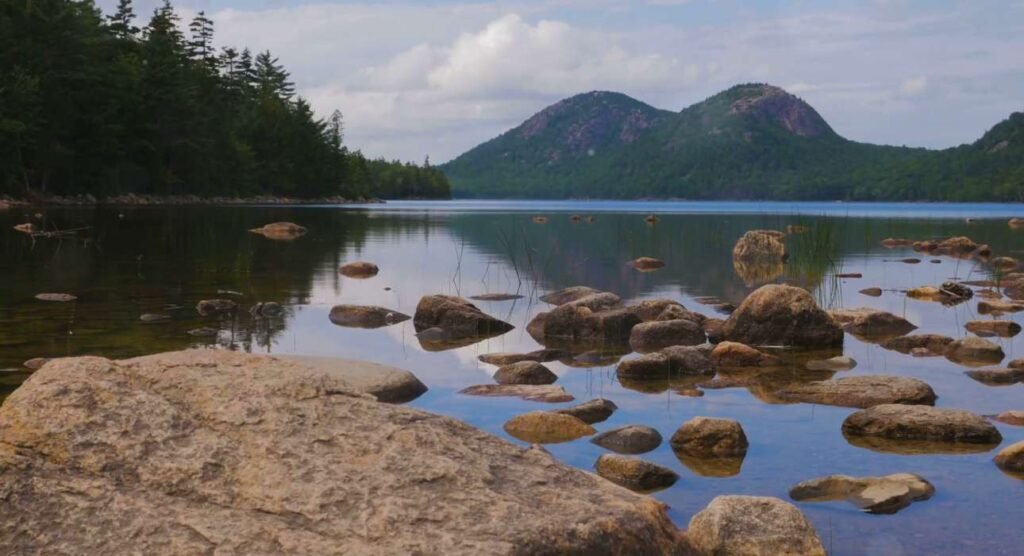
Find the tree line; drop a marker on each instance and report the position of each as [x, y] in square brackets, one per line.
[94, 104]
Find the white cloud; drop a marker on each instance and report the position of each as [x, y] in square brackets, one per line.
[913, 86]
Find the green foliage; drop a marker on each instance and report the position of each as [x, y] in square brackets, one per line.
[749, 142]
[95, 105]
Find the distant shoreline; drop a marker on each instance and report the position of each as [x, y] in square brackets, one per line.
[132, 199]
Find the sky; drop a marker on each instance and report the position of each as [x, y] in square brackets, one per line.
[437, 77]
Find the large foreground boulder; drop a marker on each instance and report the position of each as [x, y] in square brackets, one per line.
[782, 315]
[753, 526]
[227, 453]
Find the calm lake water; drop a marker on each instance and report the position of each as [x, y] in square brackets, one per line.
[163, 260]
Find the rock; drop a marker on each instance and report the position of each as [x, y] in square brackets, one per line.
[891, 243]
[850, 275]
[647, 337]
[872, 324]
[1016, 223]
[561, 297]
[595, 319]
[647, 264]
[540, 219]
[217, 451]
[26, 228]
[630, 439]
[154, 318]
[539, 356]
[988, 328]
[593, 411]
[974, 352]
[921, 422]
[215, 306]
[1014, 417]
[36, 363]
[635, 474]
[457, 317]
[1016, 364]
[496, 297]
[838, 363]
[1011, 458]
[955, 290]
[525, 372]
[1004, 263]
[546, 427]
[59, 297]
[266, 309]
[547, 393]
[997, 377]
[653, 309]
[759, 246]
[713, 328]
[861, 391]
[926, 293]
[782, 315]
[923, 352]
[203, 332]
[877, 495]
[997, 307]
[753, 526]
[365, 316]
[934, 343]
[281, 231]
[735, 354]
[677, 312]
[651, 219]
[669, 362]
[796, 229]
[359, 269]
[386, 384]
[709, 437]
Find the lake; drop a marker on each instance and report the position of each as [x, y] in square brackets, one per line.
[130, 261]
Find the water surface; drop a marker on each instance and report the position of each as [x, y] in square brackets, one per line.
[132, 261]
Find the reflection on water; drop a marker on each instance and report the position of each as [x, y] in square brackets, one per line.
[165, 260]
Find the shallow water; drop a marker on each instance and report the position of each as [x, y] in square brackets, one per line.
[163, 260]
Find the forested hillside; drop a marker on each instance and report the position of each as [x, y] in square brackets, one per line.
[94, 104]
[751, 141]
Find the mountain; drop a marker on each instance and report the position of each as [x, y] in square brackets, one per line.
[752, 141]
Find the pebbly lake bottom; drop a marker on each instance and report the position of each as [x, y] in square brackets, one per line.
[163, 260]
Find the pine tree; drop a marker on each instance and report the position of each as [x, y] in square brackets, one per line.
[122, 23]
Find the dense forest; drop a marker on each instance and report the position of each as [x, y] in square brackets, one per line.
[751, 141]
[95, 104]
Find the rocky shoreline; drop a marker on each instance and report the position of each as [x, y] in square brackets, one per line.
[132, 199]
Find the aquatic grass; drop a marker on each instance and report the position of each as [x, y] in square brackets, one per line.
[813, 260]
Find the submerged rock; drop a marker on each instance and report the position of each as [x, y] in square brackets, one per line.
[878, 495]
[266, 309]
[861, 391]
[365, 316]
[546, 427]
[203, 332]
[753, 526]
[837, 363]
[629, 439]
[647, 264]
[999, 307]
[457, 317]
[1004, 263]
[635, 474]
[891, 243]
[1012, 417]
[359, 269]
[872, 292]
[647, 337]
[539, 356]
[281, 231]
[561, 297]
[151, 318]
[932, 343]
[1011, 458]
[496, 297]
[547, 393]
[782, 315]
[207, 307]
[735, 354]
[590, 412]
[974, 352]
[232, 446]
[58, 297]
[921, 422]
[989, 328]
[525, 372]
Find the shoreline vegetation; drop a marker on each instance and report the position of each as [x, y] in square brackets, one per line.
[132, 199]
[94, 105]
